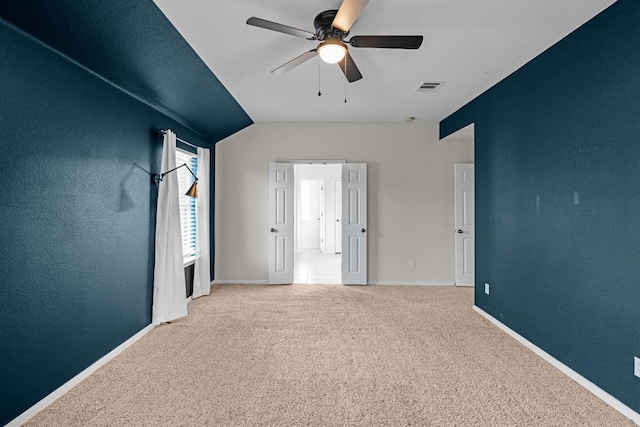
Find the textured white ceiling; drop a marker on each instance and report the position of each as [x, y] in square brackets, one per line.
[469, 44]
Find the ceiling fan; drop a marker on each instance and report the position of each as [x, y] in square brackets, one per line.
[332, 26]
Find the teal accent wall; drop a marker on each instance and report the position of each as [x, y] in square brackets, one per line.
[78, 150]
[134, 46]
[557, 151]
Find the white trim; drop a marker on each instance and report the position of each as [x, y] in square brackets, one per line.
[240, 282]
[597, 391]
[49, 399]
[394, 283]
[317, 162]
[380, 283]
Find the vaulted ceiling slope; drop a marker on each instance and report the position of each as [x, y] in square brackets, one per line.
[133, 45]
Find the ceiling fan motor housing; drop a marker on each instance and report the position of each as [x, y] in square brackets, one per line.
[323, 27]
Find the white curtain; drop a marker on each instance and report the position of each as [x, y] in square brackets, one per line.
[202, 270]
[169, 290]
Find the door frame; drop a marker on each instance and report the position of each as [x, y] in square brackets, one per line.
[343, 183]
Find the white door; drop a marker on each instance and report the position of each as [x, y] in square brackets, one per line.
[354, 224]
[281, 187]
[338, 208]
[465, 224]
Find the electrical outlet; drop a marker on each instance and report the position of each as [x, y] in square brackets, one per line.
[412, 263]
[486, 288]
[636, 366]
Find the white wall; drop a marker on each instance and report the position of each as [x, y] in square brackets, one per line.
[410, 194]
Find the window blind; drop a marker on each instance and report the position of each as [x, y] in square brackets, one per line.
[187, 204]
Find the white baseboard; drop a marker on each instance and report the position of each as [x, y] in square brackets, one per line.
[397, 283]
[49, 399]
[240, 282]
[597, 391]
[381, 283]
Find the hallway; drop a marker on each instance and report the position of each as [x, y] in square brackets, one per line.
[313, 267]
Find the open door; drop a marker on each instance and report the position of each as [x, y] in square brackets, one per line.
[281, 188]
[354, 224]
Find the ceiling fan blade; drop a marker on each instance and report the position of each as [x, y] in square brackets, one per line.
[387, 42]
[295, 62]
[351, 71]
[348, 13]
[274, 26]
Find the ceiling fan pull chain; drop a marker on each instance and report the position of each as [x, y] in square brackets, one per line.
[319, 93]
[345, 82]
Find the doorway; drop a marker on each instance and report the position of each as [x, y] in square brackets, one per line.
[284, 234]
[317, 257]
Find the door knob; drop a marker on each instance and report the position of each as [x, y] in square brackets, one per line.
[459, 231]
[363, 230]
[337, 220]
[273, 230]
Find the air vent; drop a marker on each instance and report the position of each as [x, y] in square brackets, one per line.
[429, 86]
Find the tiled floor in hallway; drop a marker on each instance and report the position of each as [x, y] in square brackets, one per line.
[313, 267]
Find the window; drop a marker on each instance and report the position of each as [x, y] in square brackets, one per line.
[187, 204]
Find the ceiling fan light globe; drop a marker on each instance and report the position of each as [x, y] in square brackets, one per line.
[332, 51]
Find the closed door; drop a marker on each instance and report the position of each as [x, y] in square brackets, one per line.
[281, 187]
[465, 224]
[354, 224]
[338, 207]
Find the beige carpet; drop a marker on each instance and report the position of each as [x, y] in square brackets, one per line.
[312, 355]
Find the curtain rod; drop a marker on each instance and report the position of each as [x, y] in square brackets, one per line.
[164, 131]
